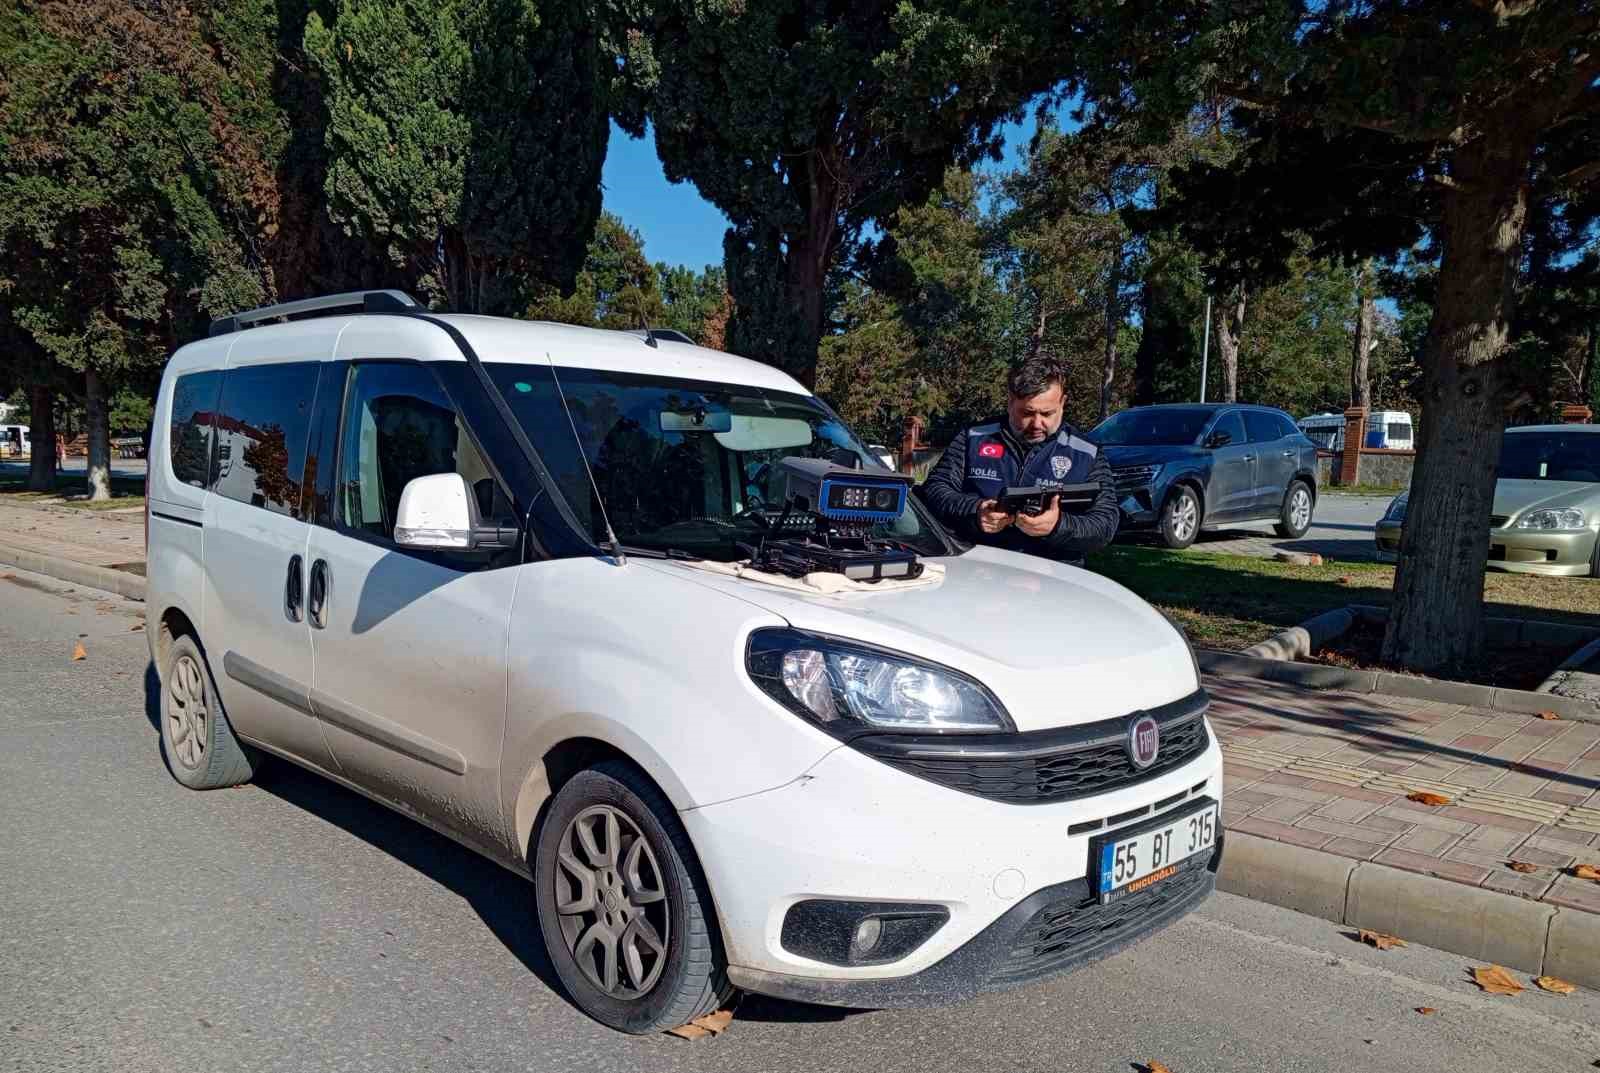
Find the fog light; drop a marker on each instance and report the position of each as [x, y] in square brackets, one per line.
[858, 933]
[867, 933]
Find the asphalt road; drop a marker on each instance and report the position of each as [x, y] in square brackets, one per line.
[1341, 528]
[293, 926]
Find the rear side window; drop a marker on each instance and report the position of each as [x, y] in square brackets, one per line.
[194, 404]
[1230, 423]
[1286, 427]
[260, 431]
[1262, 426]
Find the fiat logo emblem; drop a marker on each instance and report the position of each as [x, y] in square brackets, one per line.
[1144, 741]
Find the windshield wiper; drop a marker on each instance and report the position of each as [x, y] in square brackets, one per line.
[662, 553]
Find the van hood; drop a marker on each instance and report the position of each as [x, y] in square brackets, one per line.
[1514, 497]
[1056, 644]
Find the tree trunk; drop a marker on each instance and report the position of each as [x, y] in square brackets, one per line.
[1436, 618]
[1108, 368]
[1036, 338]
[98, 418]
[42, 466]
[1228, 344]
[1361, 351]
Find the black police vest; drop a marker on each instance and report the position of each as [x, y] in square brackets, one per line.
[992, 464]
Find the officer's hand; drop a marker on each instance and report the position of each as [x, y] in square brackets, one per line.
[1043, 523]
[991, 518]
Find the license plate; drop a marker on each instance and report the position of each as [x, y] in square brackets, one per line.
[1123, 862]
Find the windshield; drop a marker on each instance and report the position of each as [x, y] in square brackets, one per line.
[1550, 456]
[682, 464]
[1175, 426]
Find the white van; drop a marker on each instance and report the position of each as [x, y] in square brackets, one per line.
[601, 607]
[14, 440]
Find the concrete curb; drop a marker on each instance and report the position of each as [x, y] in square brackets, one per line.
[1487, 925]
[1318, 676]
[97, 577]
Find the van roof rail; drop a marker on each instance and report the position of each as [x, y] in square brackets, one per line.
[361, 301]
[671, 335]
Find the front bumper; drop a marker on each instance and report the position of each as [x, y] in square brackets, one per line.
[1386, 540]
[1531, 551]
[856, 828]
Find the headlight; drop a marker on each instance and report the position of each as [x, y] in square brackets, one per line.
[1552, 520]
[849, 688]
[1397, 508]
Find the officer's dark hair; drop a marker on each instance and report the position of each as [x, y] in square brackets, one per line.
[1036, 375]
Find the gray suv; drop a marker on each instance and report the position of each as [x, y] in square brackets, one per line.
[1183, 468]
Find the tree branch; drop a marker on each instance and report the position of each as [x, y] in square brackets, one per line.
[1578, 175]
[1507, 9]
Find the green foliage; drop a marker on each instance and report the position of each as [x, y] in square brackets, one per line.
[465, 138]
[806, 122]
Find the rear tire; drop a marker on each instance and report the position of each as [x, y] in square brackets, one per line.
[196, 739]
[630, 928]
[1295, 517]
[1180, 518]
[1594, 563]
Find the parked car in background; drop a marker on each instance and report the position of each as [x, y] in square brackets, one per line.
[14, 440]
[1386, 429]
[1184, 468]
[1546, 515]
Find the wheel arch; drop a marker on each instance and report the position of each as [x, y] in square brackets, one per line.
[1195, 482]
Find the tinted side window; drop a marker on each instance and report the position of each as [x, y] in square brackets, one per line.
[399, 425]
[1230, 423]
[1286, 427]
[194, 403]
[261, 429]
[1262, 426]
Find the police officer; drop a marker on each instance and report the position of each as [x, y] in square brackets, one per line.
[1029, 445]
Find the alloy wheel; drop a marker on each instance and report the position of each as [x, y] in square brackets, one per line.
[1300, 508]
[187, 714]
[611, 899]
[1184, 516]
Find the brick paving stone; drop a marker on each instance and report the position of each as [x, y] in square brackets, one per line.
[1248, 797]
[1532, 885]
[1567, 835]
[1284, 810]
[1560, 795]
[1544, 728]
[1434, 767]
[1476, 742]
[1520, 784]
[1231, 815]
[1239, 774]
[1282, 789]
[1544, 854]
[1515, 747]
[1350, 847]
[1385, 823]
[1491, 840]
[1493, 819]
[1575, 893]
[1337, 829]
[1475, 775]
[1328, 789]
[1347, 809]
[1424, 816]
[1282, 832]
[1428, 841]
[1433, 866]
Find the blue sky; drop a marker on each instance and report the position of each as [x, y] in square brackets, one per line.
[681, 227]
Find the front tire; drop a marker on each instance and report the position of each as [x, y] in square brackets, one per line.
[625, 911]
[196, 739]
[1180, 518]
[1295, 517]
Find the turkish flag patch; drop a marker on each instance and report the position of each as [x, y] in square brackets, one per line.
[992, 450]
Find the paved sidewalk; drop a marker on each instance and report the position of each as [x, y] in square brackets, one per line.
[96, 538]
[1332, 771]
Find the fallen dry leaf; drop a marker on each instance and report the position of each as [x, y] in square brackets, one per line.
[1548, 715]
[1559, 987]
[1427, 797]
[79, 653]
[1587, 871]
[136, 627]
[1380, 940]
[712, 1024]
[1156, 1067]
[1522, 866]
[1495, 981]
[1426, 1010]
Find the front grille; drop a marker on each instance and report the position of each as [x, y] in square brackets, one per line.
[1130, 477]
[1498, 521]
[1074, 926]
[1050, 765]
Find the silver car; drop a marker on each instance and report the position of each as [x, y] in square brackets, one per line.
[1546, 517]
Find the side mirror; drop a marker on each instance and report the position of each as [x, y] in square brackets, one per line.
[1218, 439]
[440, 512]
